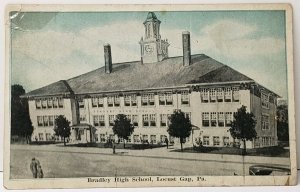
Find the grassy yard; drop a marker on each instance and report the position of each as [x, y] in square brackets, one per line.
[275, 151]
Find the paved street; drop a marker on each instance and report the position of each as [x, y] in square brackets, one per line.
[61, 162]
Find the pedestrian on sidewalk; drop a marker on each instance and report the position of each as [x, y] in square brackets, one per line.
[33, 166]
[40, 173]
[114, 147]
[167, 142]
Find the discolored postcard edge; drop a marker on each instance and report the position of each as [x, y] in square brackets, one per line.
[197, 180]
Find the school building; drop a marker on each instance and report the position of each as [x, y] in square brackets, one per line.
[148, 91]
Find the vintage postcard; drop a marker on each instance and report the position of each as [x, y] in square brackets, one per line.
[149, 95]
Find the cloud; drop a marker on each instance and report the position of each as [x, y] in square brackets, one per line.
[66, 54]
[236, 40]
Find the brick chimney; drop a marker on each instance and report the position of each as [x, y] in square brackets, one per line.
[107, 58]
[186, 45]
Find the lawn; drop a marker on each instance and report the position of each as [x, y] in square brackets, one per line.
[274, 151]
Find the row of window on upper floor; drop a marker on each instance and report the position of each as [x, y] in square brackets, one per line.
[49, 103]
[131, 100]
[208, 95]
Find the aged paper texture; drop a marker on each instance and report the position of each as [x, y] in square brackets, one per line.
[149, 95]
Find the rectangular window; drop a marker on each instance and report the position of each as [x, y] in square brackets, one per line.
[205, 119]
[152, 119]
[213, 119]
[46, 121]
[153, 139]
[94, 102]
[116, 101]
[38, 103]
[146, 122]
[40, 121]
[48, 137]
[96, 120]
[135, 120]
[82, 118]
[49, 103]
[216, 140]
[265, 122]
[111, 119]
[228, 119]
[227, 93]
[80, 102]
[212, 95]
[221, 119]
[185, 99]
[136, 139]
[97, 101]
[44, 103]
[265, 100]
[102, 138]
[145, 138]
[130, 100]
[51, 120]
[226, 141]
[220, 95]
[113, 101]
[101, 120]
[110, 101]
[205, 140]
[163, 138]
[60, 102]
[100, 101]
[148, 99]
[163, 120]
[41, 137]
[55, 102]
[127, 100]
[204, 95]
[129, 139]
[235, 94]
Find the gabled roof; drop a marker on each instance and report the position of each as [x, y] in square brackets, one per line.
[136, 76]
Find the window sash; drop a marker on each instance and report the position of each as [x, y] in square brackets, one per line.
[38, 104]
[51, 120]
[60, 102]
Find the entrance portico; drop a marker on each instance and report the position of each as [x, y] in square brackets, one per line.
[82, 133]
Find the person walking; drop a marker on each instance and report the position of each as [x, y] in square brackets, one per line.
[40, 173]
[167, 142]
[33, 167]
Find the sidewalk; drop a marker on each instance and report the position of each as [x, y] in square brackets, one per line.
[159, 153]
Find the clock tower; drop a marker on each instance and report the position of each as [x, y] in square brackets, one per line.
[153, 48]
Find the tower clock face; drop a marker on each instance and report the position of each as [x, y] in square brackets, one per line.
[149, 48]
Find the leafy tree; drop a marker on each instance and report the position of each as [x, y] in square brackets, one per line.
[243, 126]
[282, 123]
[123, 127]
[62, 127]
[21, 124]
[180, 126]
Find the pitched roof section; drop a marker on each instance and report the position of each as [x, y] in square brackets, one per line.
[222, 74]
[136, 76]
[57, 88]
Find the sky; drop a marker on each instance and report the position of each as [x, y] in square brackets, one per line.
[48, 47]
